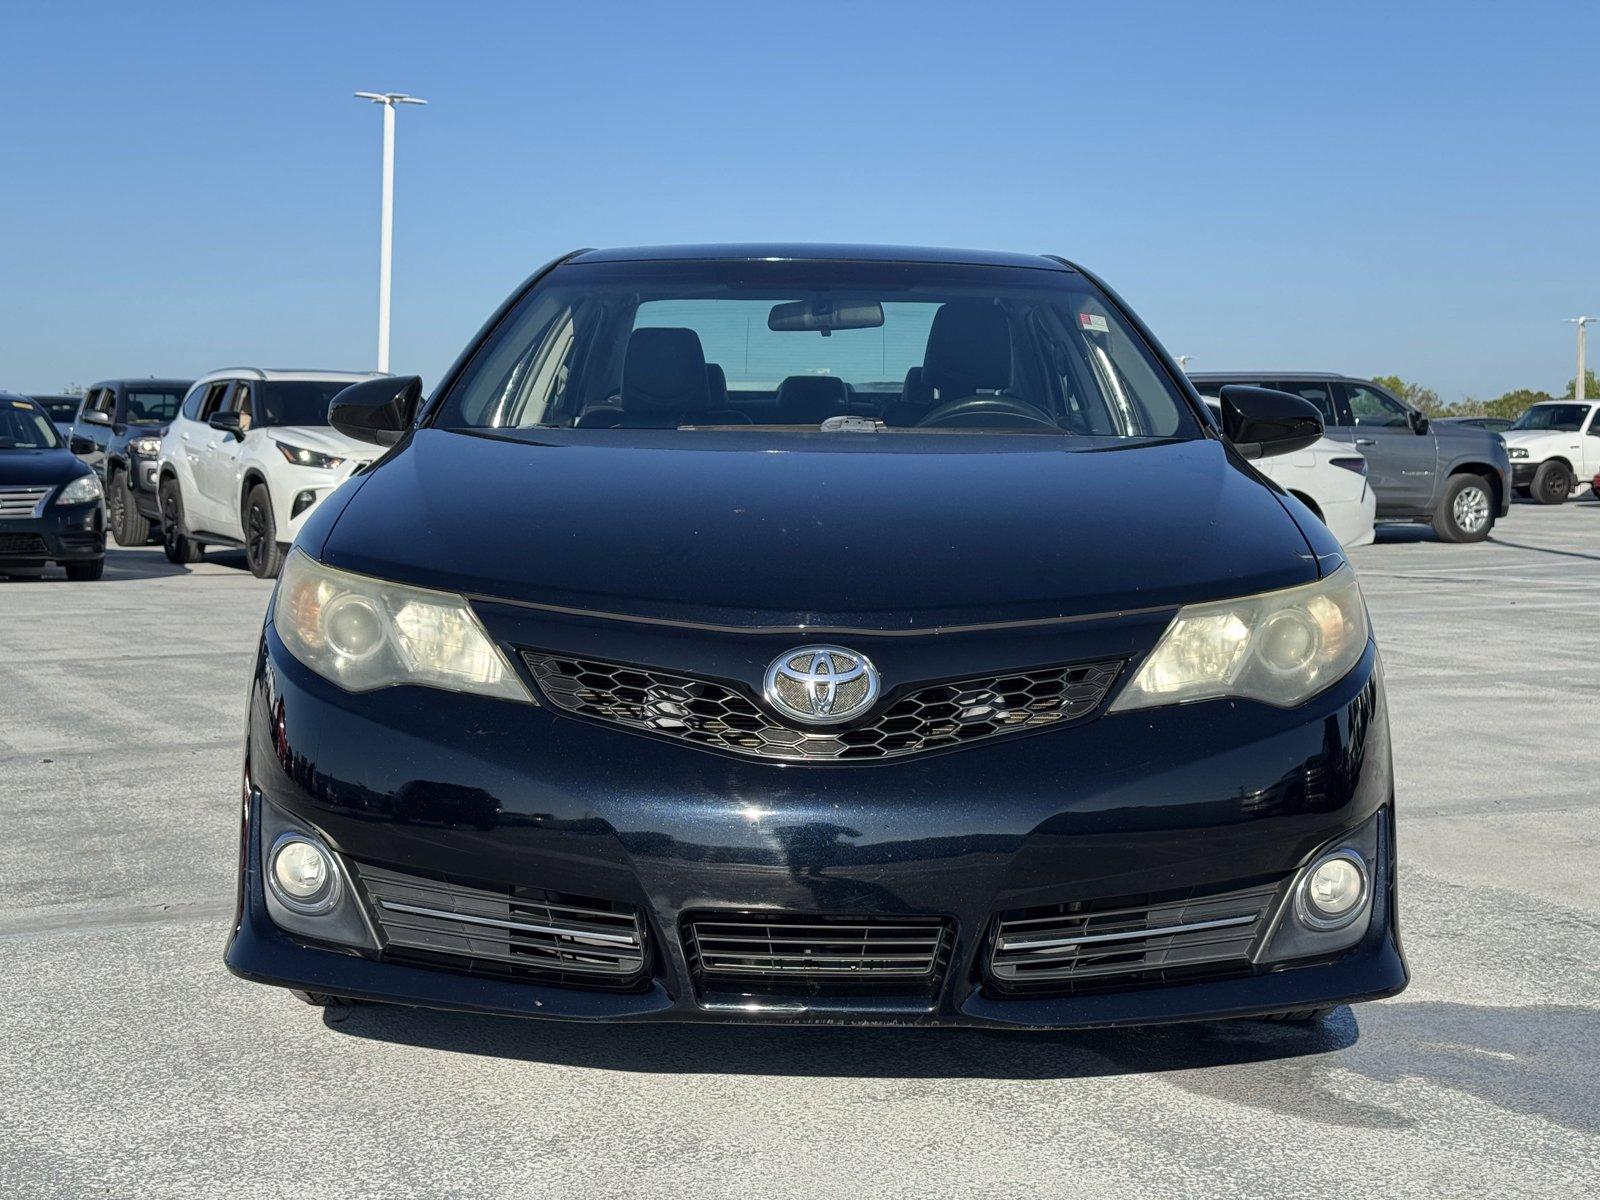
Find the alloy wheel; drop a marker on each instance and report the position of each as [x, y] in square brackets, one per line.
[1471, 509]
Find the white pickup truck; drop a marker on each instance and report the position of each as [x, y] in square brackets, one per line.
[1554, 448]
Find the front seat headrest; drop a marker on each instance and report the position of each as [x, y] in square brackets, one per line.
[663, 377]
[717, 385]
[969, 350]
[812, 399]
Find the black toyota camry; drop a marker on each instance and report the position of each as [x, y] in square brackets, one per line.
[51, 508]
[819, 633]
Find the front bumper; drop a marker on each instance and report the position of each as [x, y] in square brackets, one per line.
[1137, 803]
[145, 475]
[76, 533]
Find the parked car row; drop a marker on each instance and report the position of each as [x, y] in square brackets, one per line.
[238, 458]
[1455, 477]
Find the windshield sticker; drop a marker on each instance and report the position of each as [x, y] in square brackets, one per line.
[1093, 322]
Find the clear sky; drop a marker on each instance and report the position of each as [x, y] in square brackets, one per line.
[1371, 188]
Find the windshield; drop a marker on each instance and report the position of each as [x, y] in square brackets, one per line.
[153, 406]
[890, 347]
[295, 402]
[24, 426]
[1564, 418]
[60, 408]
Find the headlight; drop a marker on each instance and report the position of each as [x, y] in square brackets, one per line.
[365, 633]
[1279, 647]
[146, 446]
[301, 457]
[81, 490]
[1517, 451]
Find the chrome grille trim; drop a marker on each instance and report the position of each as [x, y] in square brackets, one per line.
[915, 720]
[22, 503]
[511, 927]
[758, 945]
[1072, 943]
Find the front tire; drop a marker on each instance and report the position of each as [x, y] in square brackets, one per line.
[128, 525]
[85, 572]
[261, 549]
[1552, 483]
[1466, 510]
[180, 548]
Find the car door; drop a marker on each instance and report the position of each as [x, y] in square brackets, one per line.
[1591, 447]
[224, 459]
[1402, 464]
[92, 430]
[201, 446]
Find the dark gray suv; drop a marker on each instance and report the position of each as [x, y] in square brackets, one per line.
[1456, 477]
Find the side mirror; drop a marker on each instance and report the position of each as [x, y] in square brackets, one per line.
[94, 416]
[228, 422]
[1261, 422]
[79, 444]
[1417, 422]
[377, 410]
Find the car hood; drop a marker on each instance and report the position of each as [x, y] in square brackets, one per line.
[25, 468]
[887, 531]
[1532, 438]
[324, 439]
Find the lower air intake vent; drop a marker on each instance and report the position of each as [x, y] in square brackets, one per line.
[22, 545]
[759, 945]
[520, 929]
[1121, 944]
[912, 721]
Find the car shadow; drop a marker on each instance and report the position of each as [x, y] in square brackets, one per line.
[124, 565]
[1537, 1060]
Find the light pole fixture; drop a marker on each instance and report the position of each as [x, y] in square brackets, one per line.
[1580, 322]
[386, 223]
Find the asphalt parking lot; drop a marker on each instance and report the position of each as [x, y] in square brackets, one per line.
[132, 1064]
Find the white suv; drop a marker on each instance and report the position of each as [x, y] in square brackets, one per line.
[1554, 447]
[248, 458]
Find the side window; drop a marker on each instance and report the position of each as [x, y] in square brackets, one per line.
[241, 403]
[1318, 393]
[1368, 406]
[215, 394]
[193, 401]
[1594, 422]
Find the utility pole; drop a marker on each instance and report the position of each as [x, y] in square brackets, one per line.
[386, 220]
[1583, 337]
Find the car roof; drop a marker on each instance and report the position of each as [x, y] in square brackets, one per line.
[287, 374]
[15, 396]
[816, 252]
[146, 381]
[1272, 375]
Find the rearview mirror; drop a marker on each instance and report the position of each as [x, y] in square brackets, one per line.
[377, 410]
[1261, 422]
[822, 315]
[227, 422]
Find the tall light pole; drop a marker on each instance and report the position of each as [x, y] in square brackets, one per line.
[386, 224]
[1580, 322]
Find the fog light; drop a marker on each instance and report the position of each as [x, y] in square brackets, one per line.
[302, 501]
[302, 874]
[1334, 891]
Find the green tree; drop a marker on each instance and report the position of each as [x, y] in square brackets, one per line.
[1591, 387]
[1513, 404]
[1423, 399]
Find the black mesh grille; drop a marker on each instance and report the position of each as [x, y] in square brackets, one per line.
[918, 720]
[1130, 942]
[22, 545]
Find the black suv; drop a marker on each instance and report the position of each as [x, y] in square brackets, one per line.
[118, 433]
[1451, 475]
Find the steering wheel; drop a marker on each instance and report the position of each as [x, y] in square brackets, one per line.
[988, 412]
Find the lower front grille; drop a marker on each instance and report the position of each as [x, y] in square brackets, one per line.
[1121, 943]
[513, 928]
[912, 721]
[774, 946]
[22, 545]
